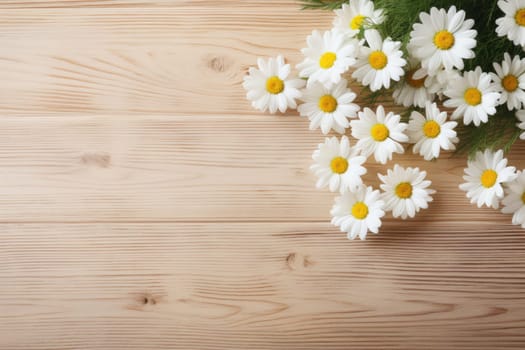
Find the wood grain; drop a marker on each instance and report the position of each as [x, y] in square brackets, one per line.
[235, 4]
[145, 205]
[112, 168]
[142, 60]
[289, 286]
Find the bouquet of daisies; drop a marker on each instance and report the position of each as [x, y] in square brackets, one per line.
[456, 72]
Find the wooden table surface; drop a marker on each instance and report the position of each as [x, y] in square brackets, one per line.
[145, 205]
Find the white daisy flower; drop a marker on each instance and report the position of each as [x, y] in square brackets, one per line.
[329, 108]
[473, 97]
[431, 132]
[514, 201]
[380, 62]
[271, 86]
[412, 90]
[337, 165]
[436, 82]
[513, 23]
[359, 212]
[443, 38]
[379, 134]
[327, 57]
[521, 117]
[439, 81]
[509, 80]
[405, 191]
[484, 175]
[357, 14]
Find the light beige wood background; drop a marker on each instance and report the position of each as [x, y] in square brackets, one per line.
[145, 205]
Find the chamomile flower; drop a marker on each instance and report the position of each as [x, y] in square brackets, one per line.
[473, 97]
[359, 212]
[513, 23]
[329, 108]
[484, 175]
[443, 38]
[521, 117]
[509, 80]
[435, 82]
[441, 80]
[327, 57]
[271, 87]
[337, 165]
[405, 191]
[412, 90]
[514, 201]
[357, 14]
[379, 134]
[379, 62]
[431, 132]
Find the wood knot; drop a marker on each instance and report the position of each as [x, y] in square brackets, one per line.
[101, 160]
[218, 64]
[149, 300]
[143, 301]
[295, 261]
[300, 172]
[495, 311]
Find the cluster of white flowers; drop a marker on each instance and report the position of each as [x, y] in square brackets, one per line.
[430, 70]
[339, 166]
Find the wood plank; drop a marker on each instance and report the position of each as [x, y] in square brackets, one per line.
[157, 168]
[142, 60]
[35, 4]
[145, 205]
[260, 286]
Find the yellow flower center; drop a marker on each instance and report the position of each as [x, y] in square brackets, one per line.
[377, 60]
[404, 190]
[415, 83]
[520, 17]
[357, 22]
[327, 60]
[510, 83]
[431, 129]
[523, 197]
[274, 85]
[327, 103]
[472, 96]
[379, 132]
[488, 178]
[444, 40]
[339, 165]
[360, 210]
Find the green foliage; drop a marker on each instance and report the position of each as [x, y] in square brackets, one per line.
[499, 133]
[501, 130]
